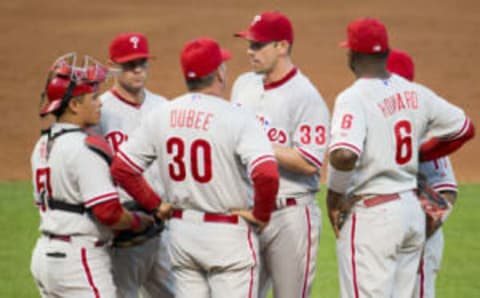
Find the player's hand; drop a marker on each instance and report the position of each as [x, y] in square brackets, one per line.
[144, 221]
[335, 211]
[164, 211]
[249, 217]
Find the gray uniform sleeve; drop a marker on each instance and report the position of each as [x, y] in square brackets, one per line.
[439, 174]
[93, 177]
[253, 146]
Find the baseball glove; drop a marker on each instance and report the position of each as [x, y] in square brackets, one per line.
[435, 206]
[128, 238]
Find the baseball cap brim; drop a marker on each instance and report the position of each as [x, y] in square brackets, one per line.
[133, 57]
[50, 107]
[344, 44]
[226, 54]
[249, 36]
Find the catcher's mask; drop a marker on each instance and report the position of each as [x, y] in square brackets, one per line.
[66, 80]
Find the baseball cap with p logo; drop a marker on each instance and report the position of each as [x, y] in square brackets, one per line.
[267, 27]
[201, 57]
[367, 36]
[126, 47]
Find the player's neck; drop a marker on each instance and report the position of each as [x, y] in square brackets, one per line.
[70, 118]
[372, 71]
[283, 67]
[135, 97]
[213, 90]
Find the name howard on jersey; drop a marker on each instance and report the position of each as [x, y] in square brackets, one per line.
[398, 102]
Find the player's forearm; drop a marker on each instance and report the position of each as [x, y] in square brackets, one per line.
[135, 185]
[265, 179]
[112, 214]
[343, 159]
[289, 158]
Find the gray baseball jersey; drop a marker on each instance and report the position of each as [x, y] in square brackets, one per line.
[194, 147]
[66, 175]
[293, 114]
[384, 122]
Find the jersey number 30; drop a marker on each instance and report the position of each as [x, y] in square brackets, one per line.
[200, 159]
[403, 141]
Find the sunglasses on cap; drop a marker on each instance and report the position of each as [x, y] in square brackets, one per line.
[132, 65]
[257, 45]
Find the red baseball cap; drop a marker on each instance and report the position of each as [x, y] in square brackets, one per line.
[129, 46]
[268, 26]
[366, 35]
[401, 63]
[201, 57]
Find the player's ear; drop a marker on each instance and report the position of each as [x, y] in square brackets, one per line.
[222, 73]
[75, 103]
[283, 46]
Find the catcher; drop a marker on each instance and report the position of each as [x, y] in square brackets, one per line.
[78, 203]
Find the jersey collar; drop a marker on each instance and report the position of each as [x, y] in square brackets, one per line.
[282, 81]
[124, 100]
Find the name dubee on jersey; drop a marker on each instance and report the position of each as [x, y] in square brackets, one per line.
[190, 118]
[398, 102]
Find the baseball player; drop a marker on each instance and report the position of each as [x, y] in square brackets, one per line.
[296, 120]
[72, 186]
[377, 128]
[209, 153]
[145, 263]
[439, 175]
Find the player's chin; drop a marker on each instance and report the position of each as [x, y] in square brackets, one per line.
[95, 119]
[257, 67]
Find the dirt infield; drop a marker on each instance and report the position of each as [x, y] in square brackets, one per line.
[442, 36]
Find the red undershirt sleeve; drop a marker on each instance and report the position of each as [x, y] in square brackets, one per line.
[265, 179]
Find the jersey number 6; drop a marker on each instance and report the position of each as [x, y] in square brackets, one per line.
[200, 156]
[403, 140]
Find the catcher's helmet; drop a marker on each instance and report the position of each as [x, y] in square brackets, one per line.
[66, 80]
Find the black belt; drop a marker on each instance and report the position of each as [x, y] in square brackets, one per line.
[59, 205]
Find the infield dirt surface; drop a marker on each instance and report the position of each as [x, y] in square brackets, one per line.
[442, 36]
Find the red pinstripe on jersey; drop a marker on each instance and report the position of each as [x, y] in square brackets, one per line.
[100, 199]
[308, 253]
[258, 161]
[252, 270]
[129, 162]
[309, 156]
[354, 265]
[89, 273]
[445, 186]
[345, 145]
[462, 131]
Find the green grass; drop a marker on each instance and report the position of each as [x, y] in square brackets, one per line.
[457, 278]
[18, 232]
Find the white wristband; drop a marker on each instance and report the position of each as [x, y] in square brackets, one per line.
[338, 180]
